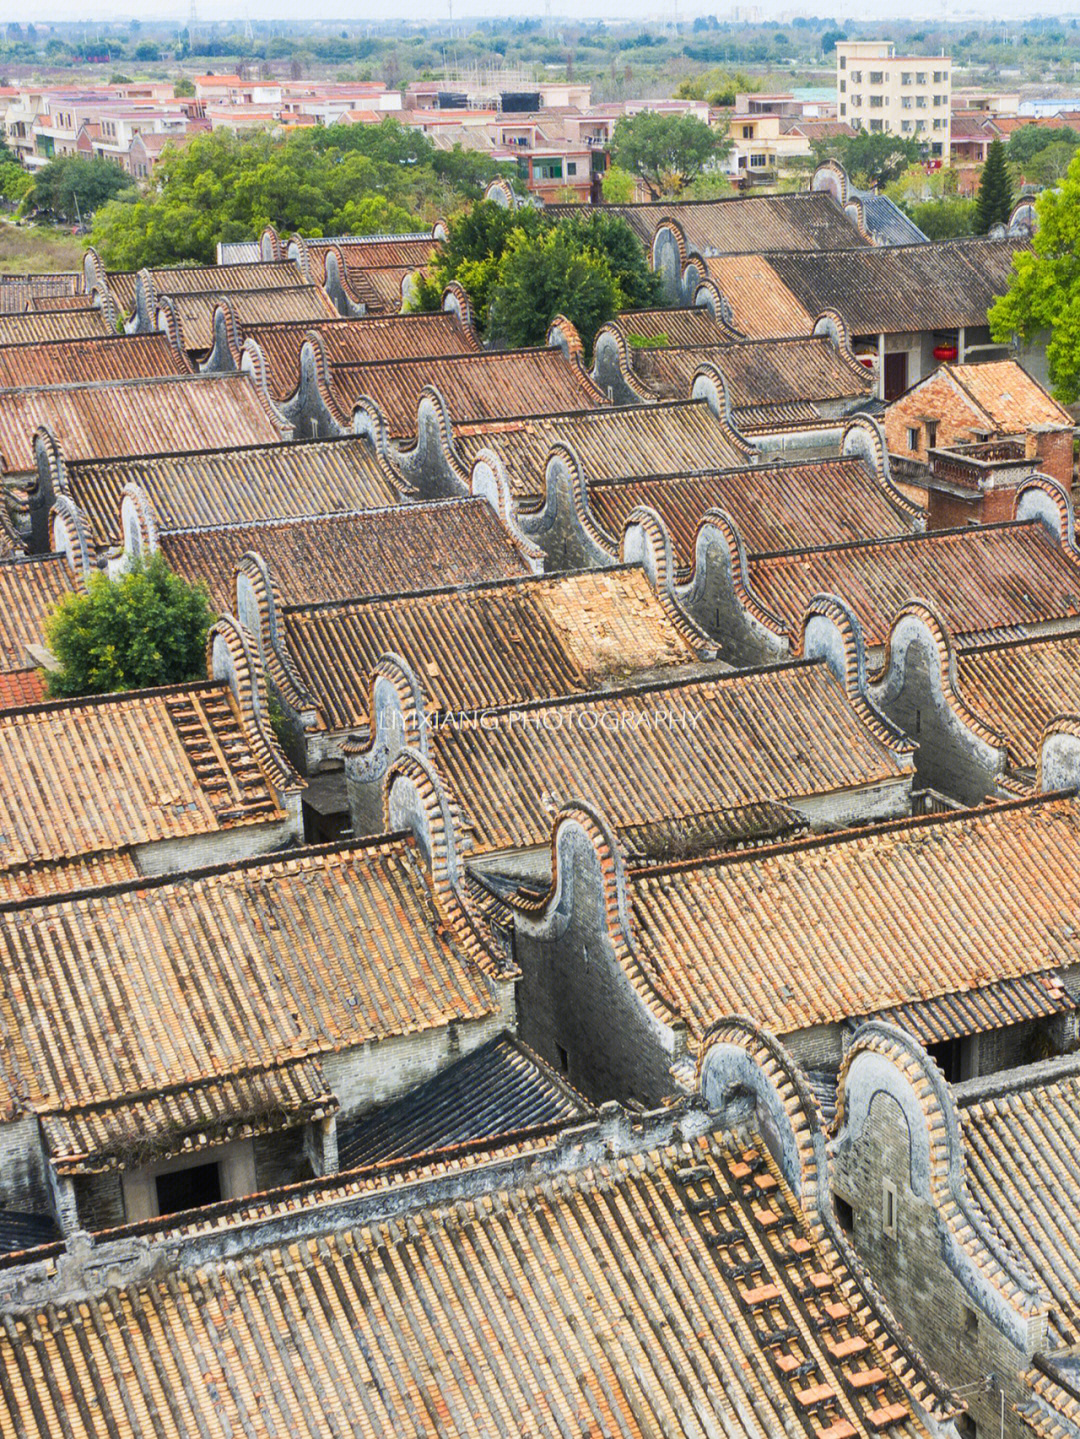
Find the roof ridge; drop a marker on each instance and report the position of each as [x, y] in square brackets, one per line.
[909, 823]
[388, 844]
[918, 536]
[321, 516]
[467, 588]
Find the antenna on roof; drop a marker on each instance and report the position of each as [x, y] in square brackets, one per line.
[192, 25]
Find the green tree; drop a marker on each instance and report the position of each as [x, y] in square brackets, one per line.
[549, 274]
[618, 185]
[947, 219]
[15, 182]
[481, 237]
[995, 191]
[183, 89]
[1044, 289]
[875, 159]
[1051, 164]
[665, 152]
[146, 628]
[357, 179]
[71, 187]
[1031, 140]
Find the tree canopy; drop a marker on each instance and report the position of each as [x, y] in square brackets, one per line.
[1030, 140]
[72, 188]
[586, 265]
[665, 152]
[871, 159]
[995, 191]
[146, 628]
[341, 179]
[1044, 292]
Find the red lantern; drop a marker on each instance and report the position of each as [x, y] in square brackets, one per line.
[945, 352]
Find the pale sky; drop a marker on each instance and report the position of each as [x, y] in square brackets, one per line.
[358, 11]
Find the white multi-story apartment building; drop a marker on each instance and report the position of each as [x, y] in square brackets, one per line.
[905, 95]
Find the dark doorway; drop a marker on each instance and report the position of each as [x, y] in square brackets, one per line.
[188, 1188]
[949, 1055]
[895, 375]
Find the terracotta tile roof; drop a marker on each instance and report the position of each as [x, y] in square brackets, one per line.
[980, 580]
[70, 362]
[803, 221]
[1020, 1150]
[380, 290]
[816, 944]
[497, 1092]
[623, 440]
[631, 1295]
[688, 328]
[804, 370]
[29, 591]
[242, 485]
[1017, 688]
[893, 288]
[21, 687]
[975, 1011]
[124, 1133]
[489, 645]
[734, 740]
[1008, 396]
[143, 417]
[762, 306]
[803, 504]
[111, 771]
[42, 303]
[213, 279]
[36, 329]
[147, 989]
[195, 311]
[64, 876]
[337, 557]
[389, 252]
[486, 386]
[16, 291]
[358, 342]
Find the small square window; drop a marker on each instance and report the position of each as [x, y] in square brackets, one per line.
[913, 436]
[931, 435]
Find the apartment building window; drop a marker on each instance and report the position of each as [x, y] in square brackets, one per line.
[876, 77]
[940, 76]
[938, 124]
[856, 101]
[843, 87]
[920, 77]
[748, 132]
[920, 125]
[905, 102]
[571, 167]
[856, 77]
[843, 62]
[905, 77]
[940, 100]
[905, 126]
[920, 102]
[758, 162]
[843, 110]
[875, 125]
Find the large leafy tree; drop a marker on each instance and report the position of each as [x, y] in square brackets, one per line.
[540, 276]
[482, 238]
[1044, 291]
[147, 628]
[341, 179]
[995, 191]
[666, 152]
[71, 187]
[871, 159]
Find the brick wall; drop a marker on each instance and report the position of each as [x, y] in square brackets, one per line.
[956, 1336]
